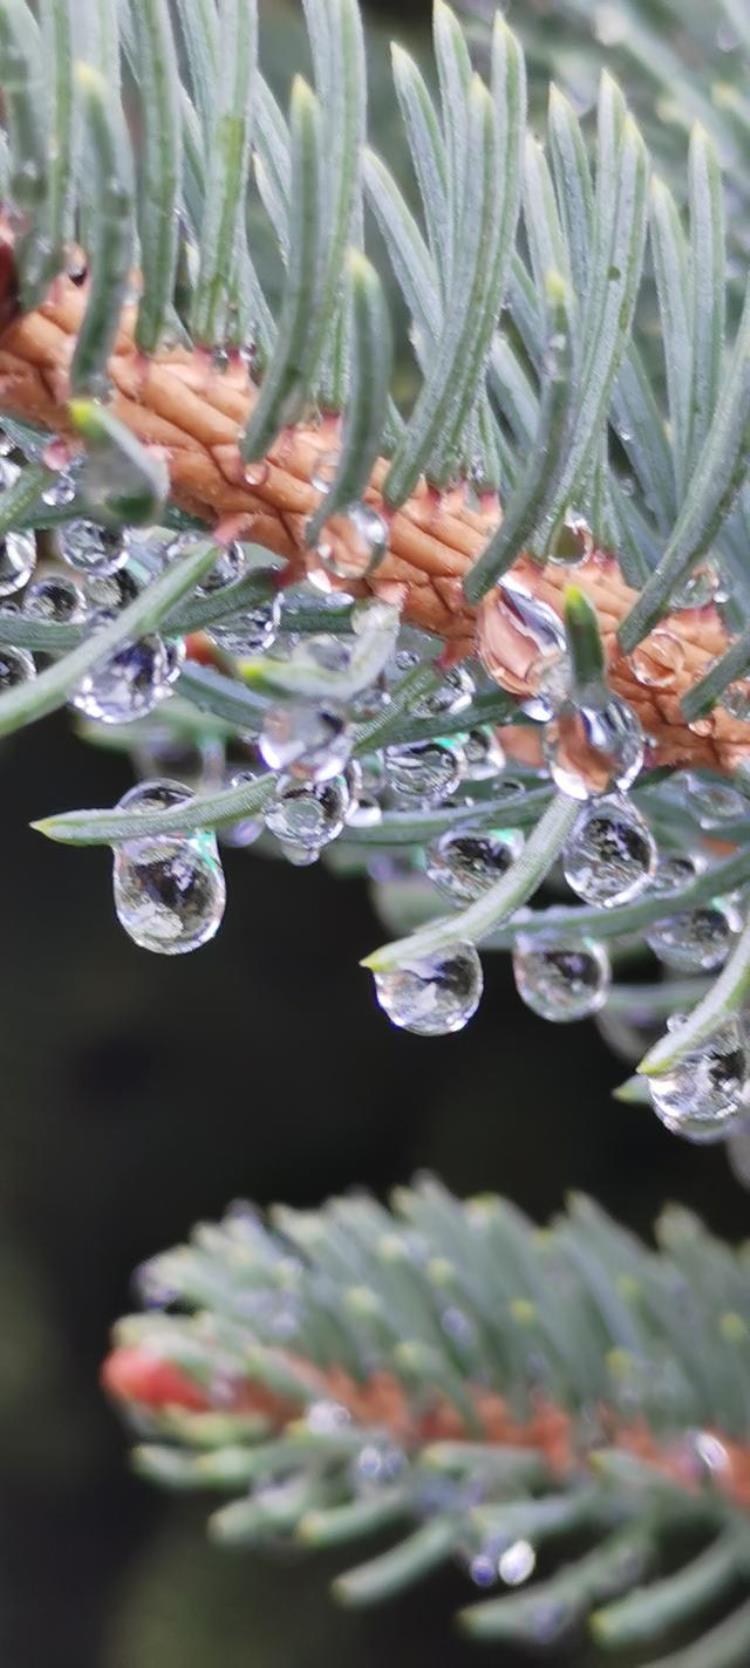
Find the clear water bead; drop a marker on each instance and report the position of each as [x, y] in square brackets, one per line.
[128, 684]
[562, 980]
[425, 773]
[697, 940]
[60, 601]
[16, 666]
[453, 696]
[17, 562]
[308, 814]
[593, 747]
[462, 864]
[353, 542]
[433, 996]
[228, 568]
[574, 543]
[170, 892]
[699, 588]
[253, 631]
[61, 490]
[484, 755]
[91, 549]
[516, 635]
[736, 700]
[611, 854]
[311, 742]
[156, 794]
[248, 829]
[702, 1097]
[715, 802]
[108, 594]
[658, 660]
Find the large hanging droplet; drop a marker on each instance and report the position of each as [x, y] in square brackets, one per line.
[435, 995]
[308, 814]
[562, 980]
[108, 594]
[463, 864]
[169, 892]
[127, 685]
[169, 889]
[353, 542]
[611, 854]
[91, 549]
[698, 940]
[424, 773]
[16, 666]
[312, 742]
[17, 562]
[594, 747]
[702, 1097]
[253, 631]
[61, 601]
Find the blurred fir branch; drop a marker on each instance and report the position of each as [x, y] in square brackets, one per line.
[474, 1389]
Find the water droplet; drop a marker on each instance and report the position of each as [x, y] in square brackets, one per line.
[562, 980]
[127, 685]
[517, 1563]
[59, 600]
[611, 854]
[169, 892]
[515, 632]
[699, 588]
[657, 661]
[697, 940]
[701, 1098]
[324, 471]
[300, 857]
[713, 802]
[159, 794]
[453, 696]
[425, 773]
[91, 549]
[252, 631]
[107, 595]
[736, 700]
[228, 568]
[323, 651]
[17, 561]
[308, 814]
[248, 830]
[676, 869]
[574, 543]
[377, 1465]
[353, 542]
[16, 666]
[484, 755]
[312, 742]
[483, 1569]
[593, 747]
[464, 864]
[433, 996]
[61, 491]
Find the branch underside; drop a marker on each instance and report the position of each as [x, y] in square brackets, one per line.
[178, 402]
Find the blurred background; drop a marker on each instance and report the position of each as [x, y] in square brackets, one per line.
[139, 1094]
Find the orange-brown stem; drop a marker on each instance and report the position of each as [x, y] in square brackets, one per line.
[176, 401]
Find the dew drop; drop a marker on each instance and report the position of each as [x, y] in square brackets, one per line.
[517, 1563]
[169, 892]
[127, 684]
[559, 979]
[714, 802]
[61, 491]
[593, 747]
[107, 595]
[433, 996]
[697, 940]
[60, 601]
[484, 755]
[91, 549]
[702, 1097]
[308, 814]
[311, 742]
[657, 661]
[324, 471]
[252, 631]
[699, 588]
[17, 562]
[453, 696]
[736, 700]
[353, 542]
[425, 773]
[464, 864]
[611, 854]
[228, 568]
[574, 543]
[16, 666]
[515, 632]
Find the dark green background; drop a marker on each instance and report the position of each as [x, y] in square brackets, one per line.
[139, 1094]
